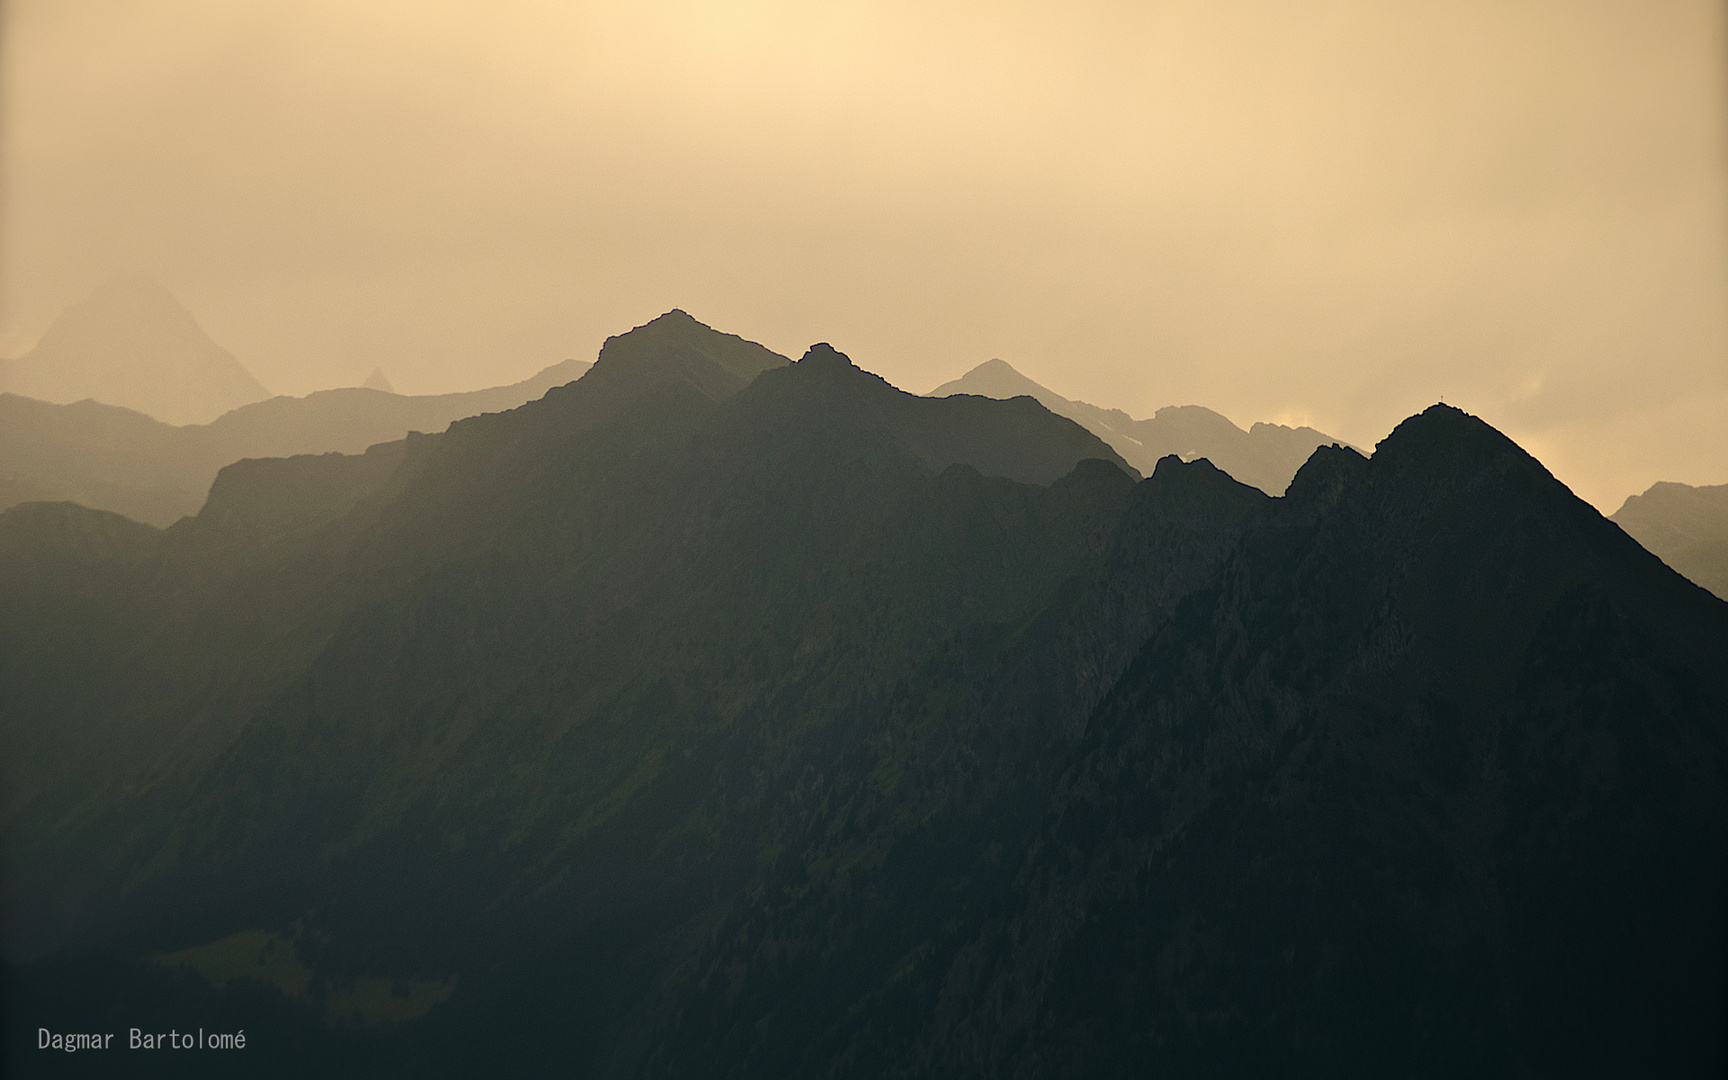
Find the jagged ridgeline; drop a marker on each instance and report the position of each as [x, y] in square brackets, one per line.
[719, 716]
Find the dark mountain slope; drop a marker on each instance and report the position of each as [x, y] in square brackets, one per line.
[714, 717]
[1686, 526]
[1428, 781]
[270, 497]
[161, 646]
[940, 432]
[506, 514]
[60, 567]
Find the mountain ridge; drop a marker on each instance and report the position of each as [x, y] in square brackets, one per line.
[1266, 456]
[1686, 526]
[119, 459]
[695, 724]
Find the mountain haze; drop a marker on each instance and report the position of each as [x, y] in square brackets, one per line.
[110, 458]
[1686, 526]
[131, 344]
[1266, 456]
[714, 715]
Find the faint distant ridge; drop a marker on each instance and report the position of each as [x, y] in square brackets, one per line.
[1686, 527]
[131, 343]
[1266, 455]
[377, 381]
[110, 458]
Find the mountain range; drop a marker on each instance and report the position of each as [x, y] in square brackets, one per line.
[714, 715]
[1265, 456]
[150, 409]
[109, 458]
[1686, 526]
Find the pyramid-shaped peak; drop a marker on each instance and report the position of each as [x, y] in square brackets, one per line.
[675, 317]
[131, 285]
[676, 323]
[678, 335]
[378, 381]
[131, 343]
[998, 378]
[1442, 425]
[129, 300]
[1444, 443]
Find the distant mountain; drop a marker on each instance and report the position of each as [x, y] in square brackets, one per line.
[717, 716]
[131, 344]
[1687, 527]
[377, 381]
[116, 459]
[1266, 456]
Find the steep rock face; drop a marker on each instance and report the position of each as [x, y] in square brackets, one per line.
[1414, 786]
[1427, 778]
[718, 716]
[298, 495]
[131, 344]
[1687, 527]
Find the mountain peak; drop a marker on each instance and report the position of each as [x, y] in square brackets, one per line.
[676, 321]
[133, 288]
[1327, 472]
[131, 343]
[998, 378]
[675, 317]
[377, 381]
[823, 357]
[127, 305]
[1450, 438]
[679, 338]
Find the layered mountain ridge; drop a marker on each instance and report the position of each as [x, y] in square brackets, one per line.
[718, 715]
[110, 458]
[1265, 456]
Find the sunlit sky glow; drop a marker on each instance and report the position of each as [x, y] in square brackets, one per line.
[1324, 212]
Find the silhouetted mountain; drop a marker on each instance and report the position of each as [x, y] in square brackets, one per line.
[115, 459]
[1266, 456]
[131, 344]
[717, 716]
[1687, 527]
[377, 381]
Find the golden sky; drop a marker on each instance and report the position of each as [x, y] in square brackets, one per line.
[1323, 211]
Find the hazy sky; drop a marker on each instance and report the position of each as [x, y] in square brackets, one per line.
[1308, 211]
